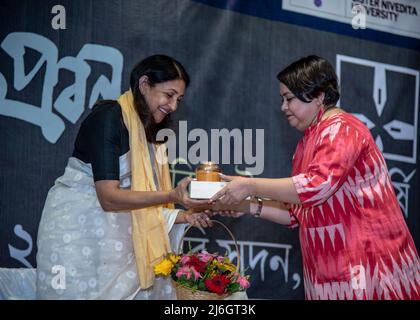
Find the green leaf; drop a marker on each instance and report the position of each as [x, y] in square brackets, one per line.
[202, 286]
[234, 287]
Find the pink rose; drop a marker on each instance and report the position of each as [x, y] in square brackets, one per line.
[188, 271]
[196, 274]
[205, 256]
[185, 259]
[243, 282]
[184, 271]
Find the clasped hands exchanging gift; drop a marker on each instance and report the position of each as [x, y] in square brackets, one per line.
[227, 202]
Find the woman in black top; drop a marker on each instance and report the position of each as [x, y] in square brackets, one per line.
[86, 228]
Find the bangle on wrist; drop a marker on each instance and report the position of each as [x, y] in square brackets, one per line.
[185, 213]
[173, 198]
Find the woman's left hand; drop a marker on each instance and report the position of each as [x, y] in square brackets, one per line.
[237, 189]
[180, 195]
[198, 219]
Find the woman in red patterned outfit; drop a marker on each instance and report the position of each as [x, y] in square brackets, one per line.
[354, 240]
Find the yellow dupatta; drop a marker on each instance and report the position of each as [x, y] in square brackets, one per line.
[150, 235]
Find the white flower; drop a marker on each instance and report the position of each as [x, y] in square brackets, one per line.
[67, 238]
[121, 286]
[54, 257]
[118, 246]
[100, 232]
[41, 276]
[86, 251]
[82, 219]
[59, 291]
[92, 282]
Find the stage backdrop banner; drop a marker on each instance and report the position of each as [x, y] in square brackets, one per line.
[56, 61]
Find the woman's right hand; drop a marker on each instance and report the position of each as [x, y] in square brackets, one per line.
[237, 189]
[180, 195]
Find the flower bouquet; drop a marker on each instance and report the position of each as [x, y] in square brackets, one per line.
[202, 276]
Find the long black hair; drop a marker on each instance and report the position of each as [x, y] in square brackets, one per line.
[306, 78]
[158, 68]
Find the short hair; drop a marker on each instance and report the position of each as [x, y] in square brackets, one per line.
[158, 68]
[307, 77]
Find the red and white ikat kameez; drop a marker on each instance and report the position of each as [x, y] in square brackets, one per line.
[354, 240]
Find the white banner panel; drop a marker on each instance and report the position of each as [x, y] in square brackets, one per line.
[398, 17]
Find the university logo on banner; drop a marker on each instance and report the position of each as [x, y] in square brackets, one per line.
[385, 98]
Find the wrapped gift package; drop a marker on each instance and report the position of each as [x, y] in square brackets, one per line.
[205, 189]
[207, 181]
[207, 184]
